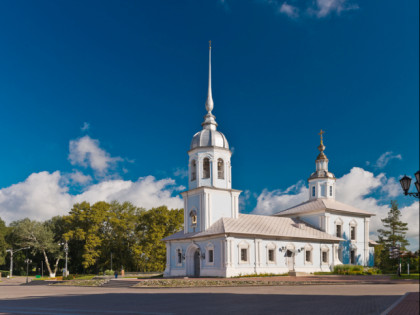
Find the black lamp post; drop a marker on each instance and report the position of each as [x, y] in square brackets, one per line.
[406, 183]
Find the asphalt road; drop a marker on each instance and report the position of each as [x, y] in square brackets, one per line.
[310, 299]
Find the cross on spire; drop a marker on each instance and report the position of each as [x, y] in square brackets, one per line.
[321, 133]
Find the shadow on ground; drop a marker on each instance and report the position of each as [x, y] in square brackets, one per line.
[197, 303]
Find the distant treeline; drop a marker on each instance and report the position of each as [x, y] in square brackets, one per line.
[95, 235]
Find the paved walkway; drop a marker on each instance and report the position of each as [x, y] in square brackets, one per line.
[312, 299]
[408, 305]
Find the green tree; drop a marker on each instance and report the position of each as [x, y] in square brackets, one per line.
[154, 225]
[391, 235]
[85, 224]
[3, 244]
[39, 237]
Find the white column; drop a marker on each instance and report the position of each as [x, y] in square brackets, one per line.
[366, 241]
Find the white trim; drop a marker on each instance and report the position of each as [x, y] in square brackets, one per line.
[209, 247]
[271, 246]
[243, 245]
[308, 247]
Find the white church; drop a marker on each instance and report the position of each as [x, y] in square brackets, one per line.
[218, 241]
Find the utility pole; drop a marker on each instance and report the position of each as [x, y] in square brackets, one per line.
[11, 251]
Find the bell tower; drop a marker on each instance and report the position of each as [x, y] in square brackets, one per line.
[210, 195]
[321, 182]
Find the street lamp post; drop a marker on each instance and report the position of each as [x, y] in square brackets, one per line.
[406, 183]
[11, 251]
[27, 261]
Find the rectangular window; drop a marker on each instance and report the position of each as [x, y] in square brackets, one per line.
[308, 256]
[338, 233]
[353, 233]
[244, 254]
[211, 258]
[352, 260]
[271, 255]
[325, 257]
[179, 257]
[330, 190]
[313, 191]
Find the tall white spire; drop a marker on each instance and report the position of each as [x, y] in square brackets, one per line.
[209, 102]
[209, 119]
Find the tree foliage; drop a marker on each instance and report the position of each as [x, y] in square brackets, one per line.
[3, 244]
[393, 234]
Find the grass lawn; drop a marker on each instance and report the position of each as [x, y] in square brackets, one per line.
[414, 276]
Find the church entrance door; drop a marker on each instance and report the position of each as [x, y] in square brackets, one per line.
[290, 257]
[197, 263]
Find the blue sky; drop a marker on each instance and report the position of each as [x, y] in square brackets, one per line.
[134, 75]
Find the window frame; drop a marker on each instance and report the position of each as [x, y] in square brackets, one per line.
[331, 191]
[209, 248]
[325, 250]
[206, 168]
[353, 225]
[220, 170]
[193, 170]
[308, 248]
[243, 246]
[178, 256]
[313, 191]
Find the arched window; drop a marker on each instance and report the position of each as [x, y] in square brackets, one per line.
[193, 170]
[220, 169]
[206, 168]
[193, 215]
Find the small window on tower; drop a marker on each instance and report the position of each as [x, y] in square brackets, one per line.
[193, 170]
[206, 168]
[220, 169]
[193, 215]
[313, 191]
[330, 190]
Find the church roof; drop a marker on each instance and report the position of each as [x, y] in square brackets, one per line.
[323, 205]
[262, 226]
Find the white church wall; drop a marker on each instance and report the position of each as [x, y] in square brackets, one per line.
[221, 205]
[313, 219]
[358, 244]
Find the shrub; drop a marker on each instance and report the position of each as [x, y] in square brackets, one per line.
[348, 270]
[4, 273]
[109, 272]
[69, 277]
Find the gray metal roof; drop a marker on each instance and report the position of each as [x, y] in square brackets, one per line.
[209, 138]
[262, 226]
[321, 204]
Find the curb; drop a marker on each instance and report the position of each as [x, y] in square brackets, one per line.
[389, 309]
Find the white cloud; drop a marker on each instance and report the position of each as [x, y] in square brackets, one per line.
[269, 202]
[290, 10]
[354, 188]
[44, 195]
[79, 178]
[85, 126]
[324, 8]
[86, 152]
[385, 158]
[311, 9]
[40, 196]
[181, 172]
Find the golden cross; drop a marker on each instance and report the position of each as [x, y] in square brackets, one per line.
[321, 133]
[209, 43]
